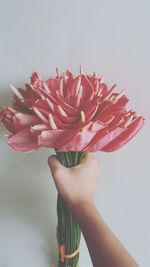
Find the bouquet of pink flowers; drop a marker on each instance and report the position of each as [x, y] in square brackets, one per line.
[72, 115]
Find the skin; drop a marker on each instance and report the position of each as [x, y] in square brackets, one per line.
[104, 247]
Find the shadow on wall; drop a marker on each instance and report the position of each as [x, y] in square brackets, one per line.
[27, 193]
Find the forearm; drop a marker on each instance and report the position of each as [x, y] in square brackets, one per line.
[105, 249]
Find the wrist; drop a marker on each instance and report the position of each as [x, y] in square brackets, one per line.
[79, 208]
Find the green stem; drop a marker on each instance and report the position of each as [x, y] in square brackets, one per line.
[68, 229]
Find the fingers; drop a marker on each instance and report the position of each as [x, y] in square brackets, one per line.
[58, 169]
[88, 156]
[88, 160]
[88, 163]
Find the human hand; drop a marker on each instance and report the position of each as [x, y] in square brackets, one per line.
[76, 185]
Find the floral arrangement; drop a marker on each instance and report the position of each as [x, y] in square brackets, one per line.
[72, 115]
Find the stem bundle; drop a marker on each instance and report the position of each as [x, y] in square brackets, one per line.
[68, 230]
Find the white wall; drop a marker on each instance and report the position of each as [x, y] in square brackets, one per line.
[111, 38]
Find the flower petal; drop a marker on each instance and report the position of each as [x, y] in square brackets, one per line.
[22, 120]
[6, 118]
[125, 136]
[107, 108]
[51, 138]
[53, 84]
[87, 88]
[23, 141]
[79, 141]
[83, 137]
[103, 138]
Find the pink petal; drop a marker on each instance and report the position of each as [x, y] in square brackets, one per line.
[58, 138]
[6, 121]
[93, 79]
[22, 120]
[107, 108]
[51, 138]
[68, 108]
[125, 136]
[103, 138]
[88, 89]
[23, 141]
[53, 84]
[24, 105]
[35, 76]
[71, 89]
[83, 137]
[37, 129]
[70, 134]
[79, 141]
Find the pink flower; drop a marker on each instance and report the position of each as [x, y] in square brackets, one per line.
[69, 114]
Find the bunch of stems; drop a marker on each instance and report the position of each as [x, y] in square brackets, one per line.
[68, 230]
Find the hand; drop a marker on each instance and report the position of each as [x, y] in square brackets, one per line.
[76, 185]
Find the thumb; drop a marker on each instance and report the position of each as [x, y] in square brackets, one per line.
[58, 171]
[54, 164]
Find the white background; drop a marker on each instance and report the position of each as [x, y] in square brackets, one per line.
[111, 38]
